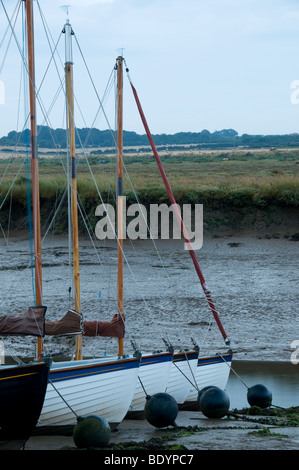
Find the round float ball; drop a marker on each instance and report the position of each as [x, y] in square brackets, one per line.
[200, 393]
[91, 431]
[259, 395]
[214, 403]
[161, 410]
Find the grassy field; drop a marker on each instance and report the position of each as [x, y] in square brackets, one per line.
[238, 178]
[239, 189]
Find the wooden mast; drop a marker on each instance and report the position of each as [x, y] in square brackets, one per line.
[34, 166]
[120, 194]
[74, 208]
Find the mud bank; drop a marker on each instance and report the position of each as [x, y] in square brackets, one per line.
[194, 432]
[253, 282]
[219, 216]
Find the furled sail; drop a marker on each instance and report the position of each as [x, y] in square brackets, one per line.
[70, 324]
[31, 323]
[114, 328]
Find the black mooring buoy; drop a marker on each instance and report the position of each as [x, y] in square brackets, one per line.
[259, 395]
[161, 410]
[91, 431]
[214, 403]
[202, 391]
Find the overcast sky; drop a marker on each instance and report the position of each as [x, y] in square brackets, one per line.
[196, 64]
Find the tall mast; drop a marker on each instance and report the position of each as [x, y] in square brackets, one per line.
[120, 193]
[74, 208]
[34, 165]
[180, 221]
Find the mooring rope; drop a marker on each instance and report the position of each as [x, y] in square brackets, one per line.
[187, 359]
[184, 375]
[50, 381]
[233, 370]
[142, 386]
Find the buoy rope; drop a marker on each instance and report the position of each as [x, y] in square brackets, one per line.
[275, 406]
[184, 374]
[142, 386]
[233, 370]
[62, 398]
[187, 359]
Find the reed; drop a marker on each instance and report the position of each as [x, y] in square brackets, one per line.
[236, 182]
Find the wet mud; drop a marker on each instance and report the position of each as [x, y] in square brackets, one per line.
[253, 282]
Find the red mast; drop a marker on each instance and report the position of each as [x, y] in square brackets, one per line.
[183, 229]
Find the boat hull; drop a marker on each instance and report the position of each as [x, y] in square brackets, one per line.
[22, 392]
[211, 370]
[153, 377]
[182, 375]
[80, 388]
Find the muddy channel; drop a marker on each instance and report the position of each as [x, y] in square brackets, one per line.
[253, 282]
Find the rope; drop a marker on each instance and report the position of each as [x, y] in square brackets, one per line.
[187, 359]
[142, 386]
[169, 191]
[184, 375]
[12, 29]
[50, 381]
[3, 233]
[233, 370]
[12, 184]
[113, 136]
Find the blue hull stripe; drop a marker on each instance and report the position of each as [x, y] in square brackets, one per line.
[85, 371]
[155, 359]
[213, 360]
[185, 356]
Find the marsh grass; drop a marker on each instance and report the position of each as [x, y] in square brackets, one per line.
[239, 181]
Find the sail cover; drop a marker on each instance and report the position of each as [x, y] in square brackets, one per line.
[68, 325]
[31, 323]
[114, 328]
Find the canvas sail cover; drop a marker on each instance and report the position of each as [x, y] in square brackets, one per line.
[68, 325]
[114, 328]
[31, 323]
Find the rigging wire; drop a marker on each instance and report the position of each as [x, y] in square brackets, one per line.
[101, 108]
[206, 291]
[7, 29]
[53, 51]
[113, 136]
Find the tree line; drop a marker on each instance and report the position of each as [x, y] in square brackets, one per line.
[57, 138]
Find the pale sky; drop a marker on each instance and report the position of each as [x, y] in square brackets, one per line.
[196, 64]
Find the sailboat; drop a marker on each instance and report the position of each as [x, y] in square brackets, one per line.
[102, 386]
[109, 387]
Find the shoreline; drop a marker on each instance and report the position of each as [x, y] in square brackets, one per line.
[219, 221]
